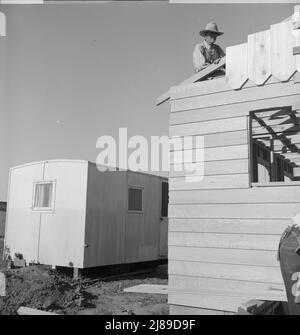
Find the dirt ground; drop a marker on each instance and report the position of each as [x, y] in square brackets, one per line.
[42, 288]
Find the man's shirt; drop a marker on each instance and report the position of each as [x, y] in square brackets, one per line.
[205, 54]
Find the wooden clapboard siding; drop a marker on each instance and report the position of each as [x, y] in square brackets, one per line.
[211, 87]
[223, 241]
[235, 166]
[209, 127]
[211, 154]
[228, 97]
[225, 226]
[210, 182]
[279, 194]
[182, 282]
[270, 275]
[267, 291]
[222, 139]
[265, 210]
[231, 110]
[223, 256]
[223, 233]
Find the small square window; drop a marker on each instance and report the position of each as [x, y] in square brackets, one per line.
[43, 196]
[135, 199]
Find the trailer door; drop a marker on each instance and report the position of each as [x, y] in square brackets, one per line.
[23, 223]
[163, 241]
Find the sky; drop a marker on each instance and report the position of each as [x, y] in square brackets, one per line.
[72, 73]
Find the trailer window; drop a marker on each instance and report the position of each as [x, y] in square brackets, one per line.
[135, 199]
[43, 196]
[275, 145]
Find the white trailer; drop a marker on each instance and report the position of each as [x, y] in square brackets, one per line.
[68, 213]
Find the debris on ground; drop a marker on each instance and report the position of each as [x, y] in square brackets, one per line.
[40, 287]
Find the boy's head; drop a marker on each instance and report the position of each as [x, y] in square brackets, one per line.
[210, 33]
[210, 38]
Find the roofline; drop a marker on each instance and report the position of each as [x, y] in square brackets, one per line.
[80, 161]
[201, 75]
[49, 160]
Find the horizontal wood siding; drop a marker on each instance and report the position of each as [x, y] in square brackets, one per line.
[224, 233]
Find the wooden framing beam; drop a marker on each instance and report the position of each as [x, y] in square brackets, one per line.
[285, 141]
[201, 75]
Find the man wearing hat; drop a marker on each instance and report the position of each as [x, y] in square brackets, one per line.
[208, 52]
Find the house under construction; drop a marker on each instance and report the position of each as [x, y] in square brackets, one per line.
[224, 230]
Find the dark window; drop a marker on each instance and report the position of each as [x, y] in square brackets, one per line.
[164, 199]
[275, 145]
[135, 199]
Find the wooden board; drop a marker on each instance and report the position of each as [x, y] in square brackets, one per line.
[221, 139]
[2, 285]
[236, 65]
[259, 57]
[231, 226]
[283, 63]
[148, 288]
[235, 166]
[255, 211]
[270, 275]
[32, 311]
[210, 182]
[242, 96]
[180, 282]
[209, 127]
[279, 194]
[227, 111]
[224, 241]
[210, 154]
[223, 256]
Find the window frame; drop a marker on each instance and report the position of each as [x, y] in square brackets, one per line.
[251, 160]
[51, 208]
[132, 211]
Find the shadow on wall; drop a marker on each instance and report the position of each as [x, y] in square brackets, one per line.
[2, 218]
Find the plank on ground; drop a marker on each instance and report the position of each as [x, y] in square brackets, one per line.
[148, 288]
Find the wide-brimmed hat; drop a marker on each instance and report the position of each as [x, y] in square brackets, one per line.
[211, 27]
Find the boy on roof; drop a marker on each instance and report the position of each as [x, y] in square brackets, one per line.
[207, 52]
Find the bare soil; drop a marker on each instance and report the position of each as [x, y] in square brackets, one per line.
[46, 289]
